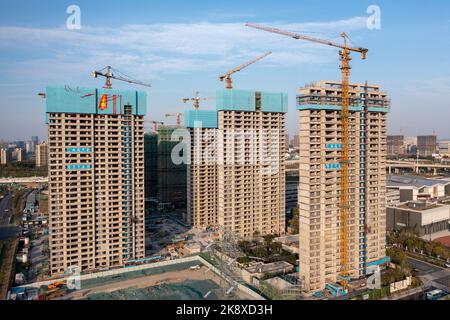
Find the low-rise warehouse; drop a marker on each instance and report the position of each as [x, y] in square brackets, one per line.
[422, 216]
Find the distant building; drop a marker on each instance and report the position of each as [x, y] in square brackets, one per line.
[19, 154]
[444, 148]
[164, 180]
[395, 146]
[5, 156]
[426, 145]
[392, 196]
[410, 145]
[151, 165]
[19, 144]
[29, 147]
[35, 142]
[412, 188]
[42, 154]
[422, 216]
[171, 177]
[291, 192]
[296, 141]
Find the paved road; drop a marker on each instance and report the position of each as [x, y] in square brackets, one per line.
[431, 275]
[422, 267]
[7, 230]
[5, 209]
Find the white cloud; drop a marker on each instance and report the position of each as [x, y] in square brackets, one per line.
[153, 50]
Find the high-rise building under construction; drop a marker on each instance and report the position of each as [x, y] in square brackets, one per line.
[96, 177]
[164, 180]
[320, 133]
[236, 176]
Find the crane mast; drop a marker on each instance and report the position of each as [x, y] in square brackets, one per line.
[345, 151]
[227, 76]
[345, 203]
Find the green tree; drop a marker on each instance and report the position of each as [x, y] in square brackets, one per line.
[410, 243]
[245, 246]
[429, 248]
[294, 223]
[392, 238]
[268, 239]
[438, 250]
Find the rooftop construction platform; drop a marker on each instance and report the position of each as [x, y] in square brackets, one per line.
[237, 100]
[327, 95]
[67, 99]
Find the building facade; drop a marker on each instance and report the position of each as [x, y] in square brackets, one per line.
[96, 177]
[5, 156]
[236, 176]
[425, 218]
[165, 181]
[319, 105]
[151, 165]
[395, 146]
[171, 176]
[426, 145]
[42, 154]
[291, 192]
[19, 154]
[34, 143]
[444, 148]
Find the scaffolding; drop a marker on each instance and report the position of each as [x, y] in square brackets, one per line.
[127, 183]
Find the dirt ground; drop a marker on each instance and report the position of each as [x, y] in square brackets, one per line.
[153, 280]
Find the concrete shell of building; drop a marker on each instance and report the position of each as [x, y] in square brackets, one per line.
[236, 176]
[96, 177]
[319, 106]
[427, 145]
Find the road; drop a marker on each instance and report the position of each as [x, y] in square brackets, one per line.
[422, 267]
[5, 209]
[431, 275]
[7, 230]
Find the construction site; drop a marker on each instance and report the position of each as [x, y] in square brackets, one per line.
[211, 229]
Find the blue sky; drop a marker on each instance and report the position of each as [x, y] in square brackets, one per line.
[183, 46]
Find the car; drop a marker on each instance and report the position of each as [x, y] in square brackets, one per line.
[447, 265]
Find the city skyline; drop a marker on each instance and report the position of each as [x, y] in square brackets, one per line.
[182, 53]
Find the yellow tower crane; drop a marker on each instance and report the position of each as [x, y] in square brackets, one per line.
[344, 54]
[178, 115]
[155, 124]
[109, 73]
[196, 100]
[227, 76]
